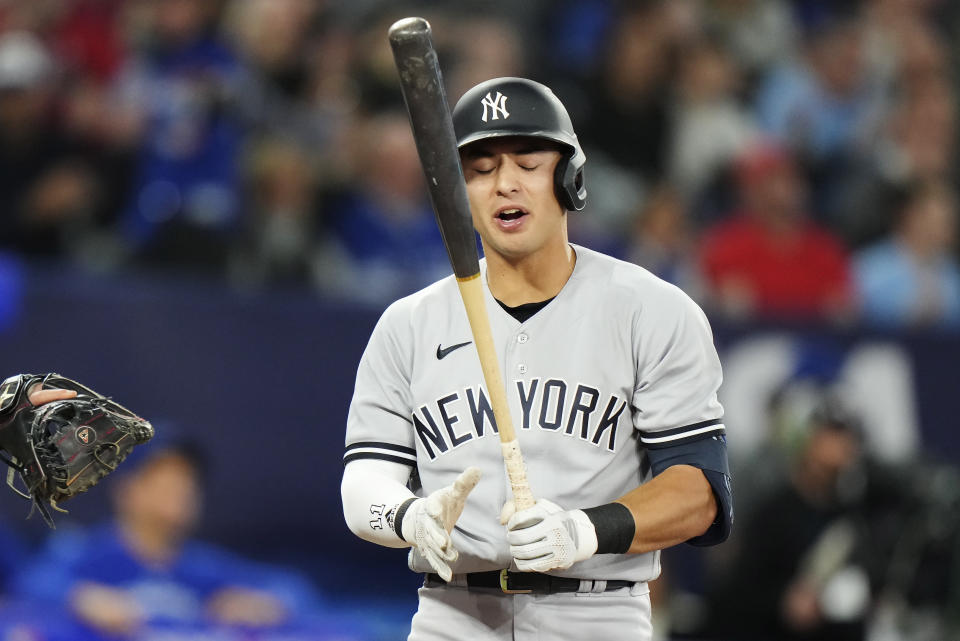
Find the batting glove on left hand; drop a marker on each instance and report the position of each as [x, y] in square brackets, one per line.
[428, 522]
[547, 537]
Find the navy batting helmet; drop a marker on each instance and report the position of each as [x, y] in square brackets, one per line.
[520, 107]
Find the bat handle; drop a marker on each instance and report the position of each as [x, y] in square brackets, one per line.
[517, 473]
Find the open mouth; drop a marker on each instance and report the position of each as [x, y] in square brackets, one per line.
[511, 214]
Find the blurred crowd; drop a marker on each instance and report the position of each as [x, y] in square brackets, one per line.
[140, 573]
[833, 542]
[776, 158]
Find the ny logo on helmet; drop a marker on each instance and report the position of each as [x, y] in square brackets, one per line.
[498, 107]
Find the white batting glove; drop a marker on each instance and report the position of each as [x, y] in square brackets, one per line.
[547, 537]
[429, 520]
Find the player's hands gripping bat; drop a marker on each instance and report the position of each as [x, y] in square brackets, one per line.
[427, 522]
[547, 537]
[66, 445]
[432, 125]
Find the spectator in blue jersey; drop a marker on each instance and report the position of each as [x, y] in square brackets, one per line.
[384, 239]
[143, 572]
[180, 87]
[820, 102]
[824, 105]
[911, 278]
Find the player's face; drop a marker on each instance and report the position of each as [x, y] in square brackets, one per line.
[164, 496]
[511, 191]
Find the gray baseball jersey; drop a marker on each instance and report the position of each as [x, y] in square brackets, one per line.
[618, 360]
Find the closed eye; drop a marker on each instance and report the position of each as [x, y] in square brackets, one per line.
[480, 166]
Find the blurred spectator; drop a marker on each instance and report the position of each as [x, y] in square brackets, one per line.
[373, 71]
[143, 571]
[796, 574]
[769, 258]
[274, 36]
[384, 238]
[663, 241]
[295, 82]
[820, 103]
[87, 38]
[488, 47]
[627, 119]
[892, 37]
[280, 242]
[837, 546]
[47, 187]
[181, 86]
[912, 278]
[624, 104]
[757, 33]
[824, 104]
[917, 143]
[918, 591]
[711, 128]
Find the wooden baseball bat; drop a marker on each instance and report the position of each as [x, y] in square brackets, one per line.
[432, 125]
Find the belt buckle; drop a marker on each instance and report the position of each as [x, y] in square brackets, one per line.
[505, 584]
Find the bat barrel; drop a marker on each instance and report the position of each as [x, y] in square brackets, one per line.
[432, 125]
[407, 28]
[422, 87]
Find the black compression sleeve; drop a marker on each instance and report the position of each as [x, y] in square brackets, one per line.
[615, 527]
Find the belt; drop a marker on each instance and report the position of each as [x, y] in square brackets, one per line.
[524, 582]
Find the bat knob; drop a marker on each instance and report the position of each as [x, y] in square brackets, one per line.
[406, 28]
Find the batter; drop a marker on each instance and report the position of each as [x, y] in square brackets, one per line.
[612, 381]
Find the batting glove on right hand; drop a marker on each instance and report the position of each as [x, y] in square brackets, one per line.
[547, 537]
[429, 520]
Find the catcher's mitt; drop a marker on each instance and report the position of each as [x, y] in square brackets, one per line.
[63, 447]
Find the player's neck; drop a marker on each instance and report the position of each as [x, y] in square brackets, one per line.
[530, 279]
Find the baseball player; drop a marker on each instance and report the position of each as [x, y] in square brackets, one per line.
[612, 381]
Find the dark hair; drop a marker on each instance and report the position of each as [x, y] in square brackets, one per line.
[186, 448]
[833, 414]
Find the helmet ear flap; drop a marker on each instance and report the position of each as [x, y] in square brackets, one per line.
[568, 181]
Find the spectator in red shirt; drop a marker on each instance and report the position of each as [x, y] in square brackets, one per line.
[769, 259]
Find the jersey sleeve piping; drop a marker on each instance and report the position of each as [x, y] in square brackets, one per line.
[397, 414]
[685, 434]
[380, 451]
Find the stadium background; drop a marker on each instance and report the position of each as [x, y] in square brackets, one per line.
[208, 204]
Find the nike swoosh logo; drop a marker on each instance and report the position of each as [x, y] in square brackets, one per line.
[443, 351]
